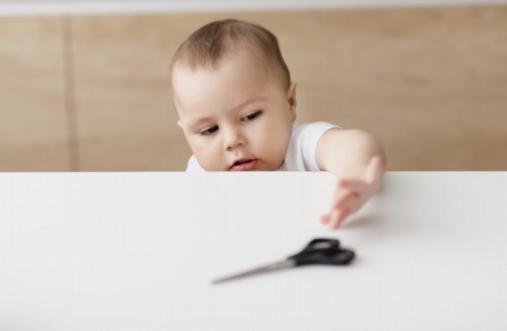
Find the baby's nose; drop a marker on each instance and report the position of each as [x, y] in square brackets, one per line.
[234, 139]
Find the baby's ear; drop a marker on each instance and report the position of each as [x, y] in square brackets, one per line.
[291, 96]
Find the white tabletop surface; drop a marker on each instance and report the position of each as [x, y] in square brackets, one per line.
[137, 251]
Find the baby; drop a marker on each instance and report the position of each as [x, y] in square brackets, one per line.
[236, 104]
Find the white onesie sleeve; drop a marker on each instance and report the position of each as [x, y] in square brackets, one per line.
[193, 165]
[302, 151]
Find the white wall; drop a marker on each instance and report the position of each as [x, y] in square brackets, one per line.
[44, 7]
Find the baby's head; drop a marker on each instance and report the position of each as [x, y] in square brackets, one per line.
[234, 96]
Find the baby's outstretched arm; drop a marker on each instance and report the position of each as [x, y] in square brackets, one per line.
[358, 160]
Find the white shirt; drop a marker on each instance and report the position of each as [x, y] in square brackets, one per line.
[301, 152]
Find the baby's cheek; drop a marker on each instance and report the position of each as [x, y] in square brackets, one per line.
[206, 154]
[210, 162]
[276, 148]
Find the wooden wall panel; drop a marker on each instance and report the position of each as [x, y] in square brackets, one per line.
[124, 113]
[33, 122]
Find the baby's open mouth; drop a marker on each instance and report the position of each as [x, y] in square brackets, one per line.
[244, 165]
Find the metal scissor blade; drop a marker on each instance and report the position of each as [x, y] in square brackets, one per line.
[288, 263]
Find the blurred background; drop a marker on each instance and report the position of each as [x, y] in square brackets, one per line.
[84, 85]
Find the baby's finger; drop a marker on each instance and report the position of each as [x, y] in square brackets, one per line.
[340, 194]
[345, 199]
[338, 217]
[333, 214]
[324, 219]
[356, 204]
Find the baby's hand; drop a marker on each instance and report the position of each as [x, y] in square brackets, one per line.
[351, 193]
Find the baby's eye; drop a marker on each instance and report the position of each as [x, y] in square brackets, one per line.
[209, 131]
[252, 116]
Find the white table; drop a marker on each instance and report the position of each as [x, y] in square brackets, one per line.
[137, 251]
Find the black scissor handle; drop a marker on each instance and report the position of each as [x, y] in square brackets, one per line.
[322, 244]
[323, 251]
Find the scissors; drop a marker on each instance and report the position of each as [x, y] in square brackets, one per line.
[321, 251]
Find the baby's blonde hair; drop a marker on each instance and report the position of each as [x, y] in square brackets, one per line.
[208, 45]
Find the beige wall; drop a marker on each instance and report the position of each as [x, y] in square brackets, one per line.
[92, 93]
[33, 119]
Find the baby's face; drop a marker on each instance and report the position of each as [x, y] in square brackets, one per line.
[237, 116]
